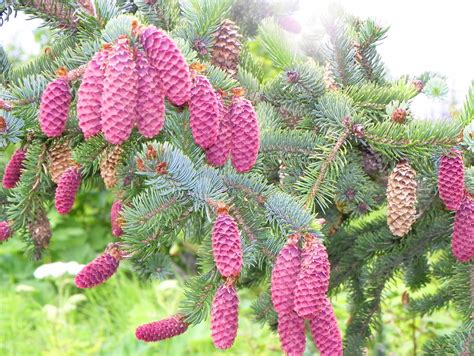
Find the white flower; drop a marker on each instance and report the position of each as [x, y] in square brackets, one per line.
[57, 269]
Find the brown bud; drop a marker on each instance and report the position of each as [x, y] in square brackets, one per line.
[399, 115]
[151, 152]
[3, 124]
[292, 76]
[140, 164]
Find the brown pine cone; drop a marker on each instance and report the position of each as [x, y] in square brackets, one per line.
[227, 46]
[108, 166]
[60, 159]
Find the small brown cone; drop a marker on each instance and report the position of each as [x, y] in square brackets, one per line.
[40, 230]
[227, 46]
[108, 166]
[60, 159]
[401, 198]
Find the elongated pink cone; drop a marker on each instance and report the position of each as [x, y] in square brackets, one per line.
[224, 317]
[66, 190]
[313, 279]
[462, 243]
[90, 93]
[325, 331]
[204, 112]
[166, 57]
[151, 100]
[291, 333]
[115, 218]
[54, 107]
[226, 246]
[5, 231]
[98, 271]
[12, 173]
[160, 330]
[451, 180]
[284, 276]
[119, 97]
[245, 135]
[219, 152]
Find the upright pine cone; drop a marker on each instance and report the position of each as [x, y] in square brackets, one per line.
[90, 93]
[219, 152]
[227, 46]
[451, 180]
[5, 231]
[119, 97]
[12, 173]
[108, 166]
[401, 198]
[151, 100]
[100, 269]
[66, 190]
[284, 276]
[313, 279]
[245, 135]
[226, 246]
[224, 317]
[163, 329]
[166, 57]
[462, 243]
[325, 331]
[60, 159]
[204, 112]
[54, 107]
[291, 333]
[115, 218]
[40, 230]
[399, 115]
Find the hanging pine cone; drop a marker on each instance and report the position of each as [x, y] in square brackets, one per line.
[5, 231]
[285, 274]
[224, 317]
[54, 107]
[40, 230]
[245, 135]
[462, 243]
[313, 279]
[226, 245]
[119, 96]
[100, 269]
[109, 165]
[66, 190]
[163, 329]
[60, 159]
[12, 172]
[171, 65]
[291, 333]
[401, 198]
[325, 331]
[451, 179]
[219, 152]
[90, 93]
[116, 219]
[151, 100]
[227, 46]
[203, 112]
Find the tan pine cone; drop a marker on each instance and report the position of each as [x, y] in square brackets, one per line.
[401, 198]
[108, 166]
[60, 159]
[227, 46]
[328, 78]
[40, 230]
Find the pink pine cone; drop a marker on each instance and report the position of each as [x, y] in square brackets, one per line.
[224, 317]
[160, 330]
[245, 135]
[226, 246]
[284, 276]
[462, 243]
[313, 279]
[204, 112]
[325, 331]
[292, 334]
[150, 100]
[219, 152]
[114, 218]
[12, 173]
[66, 190]
[97, 272]
[119, 97]
[172, 68]
[5, 231]
[451, 180]
[90, 93]
[54, 107]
